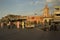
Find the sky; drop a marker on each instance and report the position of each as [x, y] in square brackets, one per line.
[25, 7]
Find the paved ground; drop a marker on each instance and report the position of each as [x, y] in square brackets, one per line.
[31, 34]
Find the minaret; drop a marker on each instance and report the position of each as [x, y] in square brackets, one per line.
[46, 11]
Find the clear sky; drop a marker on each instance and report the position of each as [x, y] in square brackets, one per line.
[24, 7]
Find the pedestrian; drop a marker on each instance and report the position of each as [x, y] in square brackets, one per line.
[51, 28]
[55, 27]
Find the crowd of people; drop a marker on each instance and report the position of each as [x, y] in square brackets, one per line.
[13, 26]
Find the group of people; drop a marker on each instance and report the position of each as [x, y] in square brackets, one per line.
[12, 26]
[51, 28]
[5, 26]
[54, 27]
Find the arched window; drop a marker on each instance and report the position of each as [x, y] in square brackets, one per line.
[50, 22]
[45, 21]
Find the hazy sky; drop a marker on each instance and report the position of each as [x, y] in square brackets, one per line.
[24, 7]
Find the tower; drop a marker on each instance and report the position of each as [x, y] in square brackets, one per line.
[46, 11]
[46, 15]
